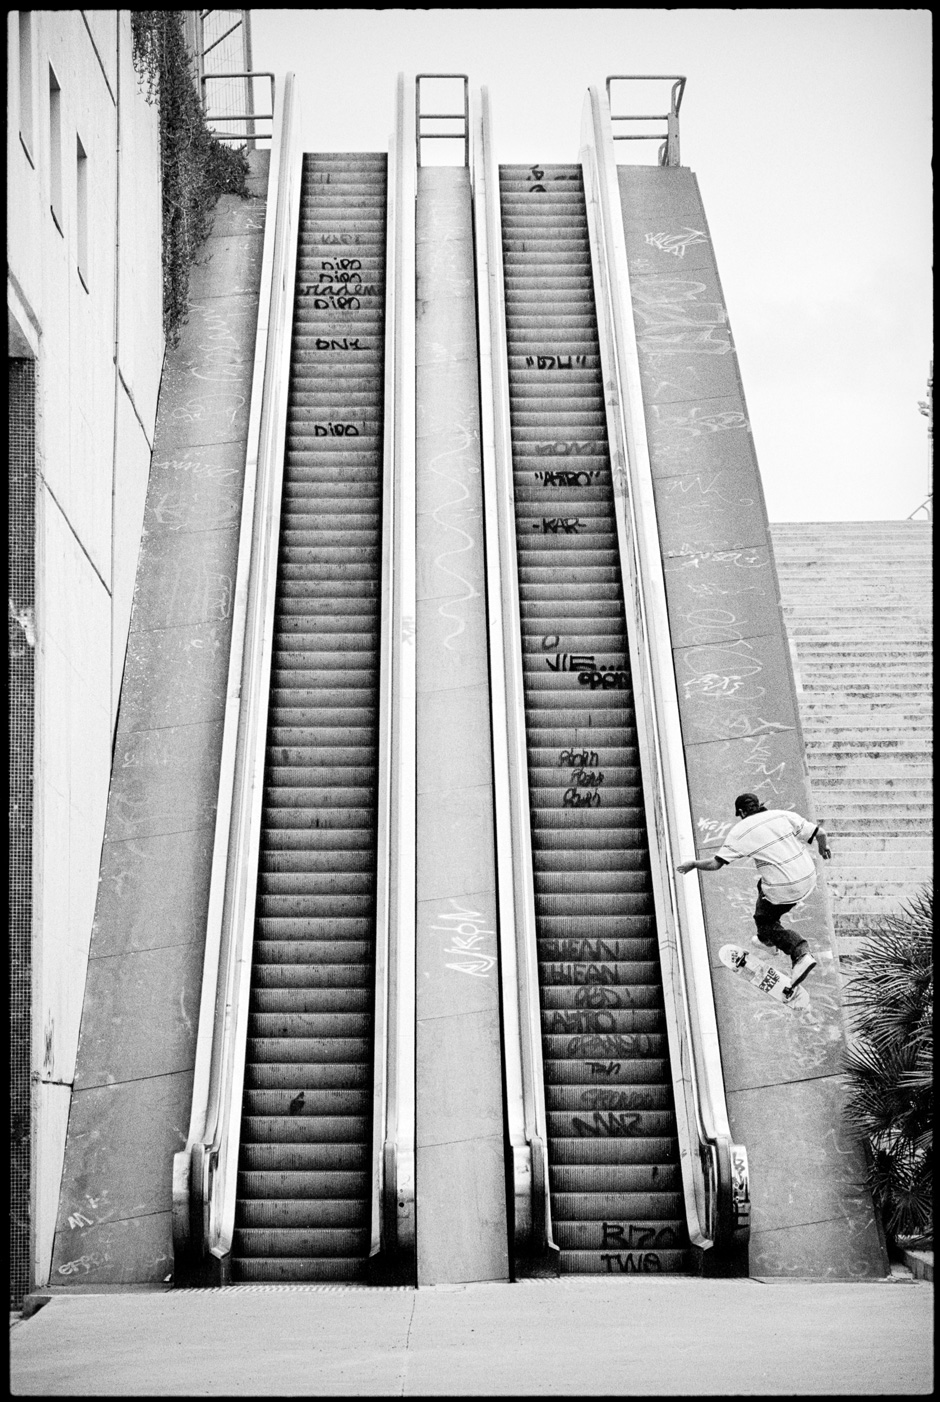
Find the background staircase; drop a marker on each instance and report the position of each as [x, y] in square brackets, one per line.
[304, 1187]
[613, 1155]
[856, 596]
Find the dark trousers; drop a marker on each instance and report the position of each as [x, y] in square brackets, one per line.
[771, 932]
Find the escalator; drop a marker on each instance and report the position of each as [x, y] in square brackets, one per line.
[304, 1171]
[614, 1174]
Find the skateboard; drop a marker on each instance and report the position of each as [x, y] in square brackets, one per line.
[765, 977]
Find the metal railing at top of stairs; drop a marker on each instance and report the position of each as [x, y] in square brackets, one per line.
[205, 1172]
[393, 1146]
[533, 1247]
[668, 153]
[421, 117]
[250, 117]
[714, 1169]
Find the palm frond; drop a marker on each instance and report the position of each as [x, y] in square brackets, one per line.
[889, 1064]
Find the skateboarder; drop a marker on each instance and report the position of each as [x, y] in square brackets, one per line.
[778, 841]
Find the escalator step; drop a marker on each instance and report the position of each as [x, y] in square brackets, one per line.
[300, 1184]
[337, 1050]
[294, 1269]
[656, 1207]
[302, 1242]
[311, 1000]
[293, 1213]
[321, 1158]
[581, 1097]
[617, 1178]
[308, 1076]
[617, 1259]
[579, 1152]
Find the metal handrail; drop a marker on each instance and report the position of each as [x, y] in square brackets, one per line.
[714, 1176]
[204, 1173]
[668, 153]
[393, 1149]
[527, 1127]
[443, 117]
[241, 116]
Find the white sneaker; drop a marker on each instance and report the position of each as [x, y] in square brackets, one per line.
[801, 968]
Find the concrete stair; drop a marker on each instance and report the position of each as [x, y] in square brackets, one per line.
[856, 597]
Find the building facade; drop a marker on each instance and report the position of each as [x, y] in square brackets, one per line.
[85, 348]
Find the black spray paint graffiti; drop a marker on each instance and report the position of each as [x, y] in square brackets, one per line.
[614, 1044]
[339, 285]
[579, 973]
[564, 525]
[602, 1098]
[555, 362]
[576, 949]
[564, 448]
[570, 661]
[566, 479]
[614, 679]
[575, 798]
[584, 782]
[536, 172]
[639, 1238]
[331, 430]
[599, 996]
[340, 304]
[339, 343]
[587, 778]
[604, 1068]
[581, 1021]
[584, 779]
[613, 1125]
[648, 1263]
[568, 757]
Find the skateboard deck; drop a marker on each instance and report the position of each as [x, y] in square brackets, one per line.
[765, 977]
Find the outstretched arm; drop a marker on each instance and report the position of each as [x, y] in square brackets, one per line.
[703, 864]
[822, 842]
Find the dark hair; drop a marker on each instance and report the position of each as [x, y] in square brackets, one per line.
[747, 803]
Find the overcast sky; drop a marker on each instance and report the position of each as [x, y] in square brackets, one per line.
[810, 133]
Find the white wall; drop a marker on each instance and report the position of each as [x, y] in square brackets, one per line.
[99, 350]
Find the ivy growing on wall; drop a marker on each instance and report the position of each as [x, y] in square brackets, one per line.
[196, 167]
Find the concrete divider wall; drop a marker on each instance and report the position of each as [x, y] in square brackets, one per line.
[811, 1213]
[460, 1176]
[130, 1102]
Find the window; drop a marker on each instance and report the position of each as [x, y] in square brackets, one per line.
[55, 150]
[26, 82]
[81, 210]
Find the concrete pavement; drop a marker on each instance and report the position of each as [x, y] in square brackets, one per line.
[577, 1336]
